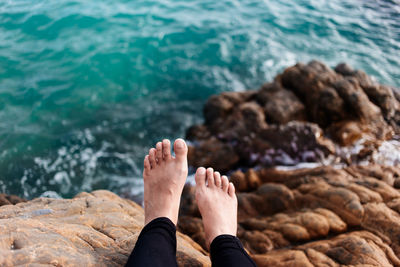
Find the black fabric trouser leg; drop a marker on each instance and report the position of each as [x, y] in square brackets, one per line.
[227, 250]
[156, 246]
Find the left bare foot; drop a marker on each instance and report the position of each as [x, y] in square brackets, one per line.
[217, 203]
[164, 177]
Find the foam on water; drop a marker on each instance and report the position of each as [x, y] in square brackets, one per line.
[87, 87]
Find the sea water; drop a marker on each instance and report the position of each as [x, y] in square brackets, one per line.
[88, 86]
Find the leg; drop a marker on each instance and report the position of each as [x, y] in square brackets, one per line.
[156, 245]
[217, 203]
[164, 177]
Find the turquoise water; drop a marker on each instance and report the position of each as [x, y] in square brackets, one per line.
[86, 87]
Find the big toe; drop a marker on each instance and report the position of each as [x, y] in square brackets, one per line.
[180, 149]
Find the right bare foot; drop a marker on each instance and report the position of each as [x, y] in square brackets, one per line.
[164, 177]
[217, 203]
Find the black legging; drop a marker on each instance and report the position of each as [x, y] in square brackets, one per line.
[156, 246]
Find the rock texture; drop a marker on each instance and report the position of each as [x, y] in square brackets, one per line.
[346, 212]
[301, 116]
[10, 199]
[96, 229]
[314, 217]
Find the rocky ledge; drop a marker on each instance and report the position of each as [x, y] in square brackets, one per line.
[344, 211]
[313, 217]
[309, 113]
[96, 229]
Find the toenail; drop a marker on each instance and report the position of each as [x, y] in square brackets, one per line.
[202, 171]
[179, 144]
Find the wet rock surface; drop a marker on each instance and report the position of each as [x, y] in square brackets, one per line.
[96, 229]
[304, 115]
[343, 209]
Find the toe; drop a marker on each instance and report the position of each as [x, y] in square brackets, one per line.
[146, 164]
[231, 190]
[224, 183]
[200, 177]
[166, 147]
[210, 178]
[180, 149]
[217, 179]
[152, 157]
[159, 152]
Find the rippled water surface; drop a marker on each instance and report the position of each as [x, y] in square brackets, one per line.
[86, 87]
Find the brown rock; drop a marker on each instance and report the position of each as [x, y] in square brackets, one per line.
[194, 227]
[344, 69]
[239, 180]
[256, 241]
[355, 249]
[356, 100]
[324, 216]
[253, 116]
[245, 182]
[217, 107]
[268, 199]
[280, 105]
[188, 202]
[10, 199]
[298, 118]
[96, 229]
[313, 84]
[213, 153]
[384, 222]
[345, 212]
[283, 258]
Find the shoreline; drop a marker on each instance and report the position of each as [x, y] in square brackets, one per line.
[339, 124]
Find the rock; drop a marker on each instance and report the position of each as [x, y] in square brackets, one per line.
[384, 97]
[345, 211]
[356, 101]
[239, 180]
[10, 199]
[193, 226]
[217, 107]
[289, 144]
[96, 229]
[305, 115]
[245, 182]
[283, 258]
[280, 105]
[213, 153]
[253, 116]
[325, 216]
[359, 248]
[344, 69]
[313, 83]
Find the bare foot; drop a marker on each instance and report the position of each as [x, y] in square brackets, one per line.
[164, 177]
[217, 203]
